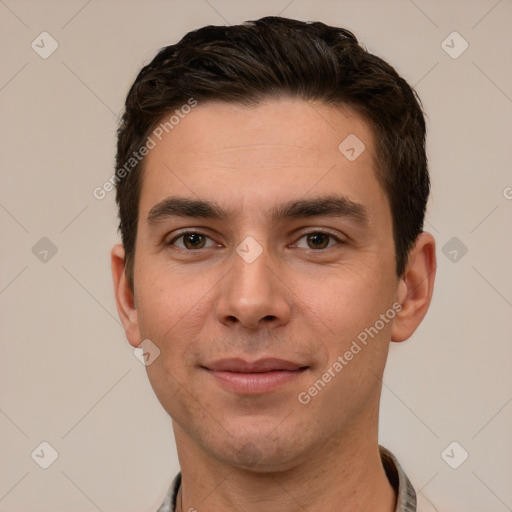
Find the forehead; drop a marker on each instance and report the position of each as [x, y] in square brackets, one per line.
[261, 155]
[225, 128]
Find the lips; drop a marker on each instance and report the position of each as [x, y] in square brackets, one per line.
[259, 366]
[256, 377]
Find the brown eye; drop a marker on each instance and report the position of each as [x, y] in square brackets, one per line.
[318, 240]
[191, 240]
[194, 241]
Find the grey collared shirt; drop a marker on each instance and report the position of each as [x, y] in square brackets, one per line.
[406, 496]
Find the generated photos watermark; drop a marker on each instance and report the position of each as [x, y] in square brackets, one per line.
[306, 396]
[136, 157]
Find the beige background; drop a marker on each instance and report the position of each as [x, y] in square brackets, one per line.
[69, 377]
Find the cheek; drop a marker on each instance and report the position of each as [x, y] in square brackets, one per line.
[355, 340]
[173, 312]
[347, 301]
[166, 298]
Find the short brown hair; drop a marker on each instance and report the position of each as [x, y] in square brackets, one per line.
[273, 57]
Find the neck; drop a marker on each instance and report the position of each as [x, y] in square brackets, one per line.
[344, 476]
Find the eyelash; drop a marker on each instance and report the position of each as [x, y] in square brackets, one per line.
[313, 232]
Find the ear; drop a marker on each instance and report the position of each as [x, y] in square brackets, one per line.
[415, 287]
[125, 300]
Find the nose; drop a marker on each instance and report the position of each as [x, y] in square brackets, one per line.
[253, 294]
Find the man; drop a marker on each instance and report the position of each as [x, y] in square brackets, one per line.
[272, 185]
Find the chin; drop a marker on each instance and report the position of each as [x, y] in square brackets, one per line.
[262, 451]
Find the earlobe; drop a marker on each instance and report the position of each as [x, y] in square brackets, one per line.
[124, 295]
[415, 288]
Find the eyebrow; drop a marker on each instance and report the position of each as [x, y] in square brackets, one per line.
[329, 206]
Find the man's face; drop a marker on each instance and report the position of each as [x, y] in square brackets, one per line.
[262, 281]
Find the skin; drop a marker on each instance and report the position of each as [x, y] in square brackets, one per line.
[269, 452]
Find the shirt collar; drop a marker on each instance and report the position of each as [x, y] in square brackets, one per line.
[406, 496]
